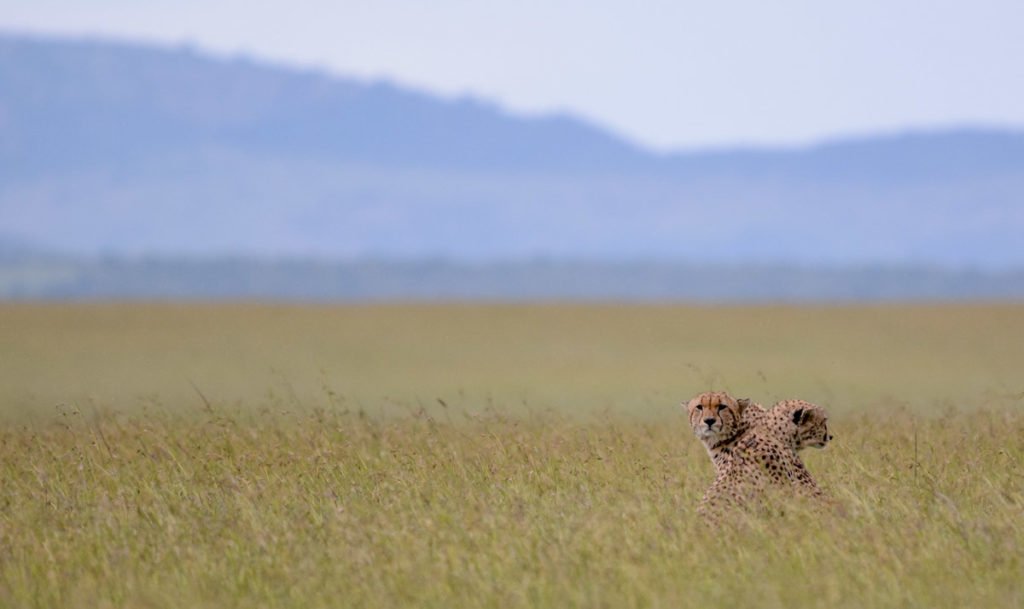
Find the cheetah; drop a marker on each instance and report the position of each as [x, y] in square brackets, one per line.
[767, 455]
[811, 421]
[719, 421]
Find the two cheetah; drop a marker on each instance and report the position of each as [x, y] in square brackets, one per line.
[754, 449]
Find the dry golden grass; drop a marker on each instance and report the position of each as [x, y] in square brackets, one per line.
[328, 510]
[639, 360]
[323, 472]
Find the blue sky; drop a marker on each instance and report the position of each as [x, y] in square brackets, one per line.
[665, 74]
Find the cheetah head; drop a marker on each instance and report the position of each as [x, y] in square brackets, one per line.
[715, 415]
[811, 423]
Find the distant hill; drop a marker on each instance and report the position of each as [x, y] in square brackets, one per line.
[72, 102]
[109, 147]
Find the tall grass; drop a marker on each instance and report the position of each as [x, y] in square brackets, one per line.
[339, 509]
[476, 456]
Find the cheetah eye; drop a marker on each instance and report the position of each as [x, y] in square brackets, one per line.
[700, 407]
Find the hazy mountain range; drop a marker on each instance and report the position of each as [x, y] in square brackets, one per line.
[121, 149]
[47, 277]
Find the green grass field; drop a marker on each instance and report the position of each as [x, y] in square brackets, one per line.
[500, 456]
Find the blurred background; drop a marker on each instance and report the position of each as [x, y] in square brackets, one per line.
[451, 150]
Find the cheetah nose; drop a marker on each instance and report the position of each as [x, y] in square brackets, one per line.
[709, 422]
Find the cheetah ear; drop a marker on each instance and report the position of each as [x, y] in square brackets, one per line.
[742, 403]
[798, 416]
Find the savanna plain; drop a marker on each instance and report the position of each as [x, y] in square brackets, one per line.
[445, 455]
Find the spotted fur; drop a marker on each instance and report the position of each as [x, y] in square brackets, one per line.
[766, 456]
